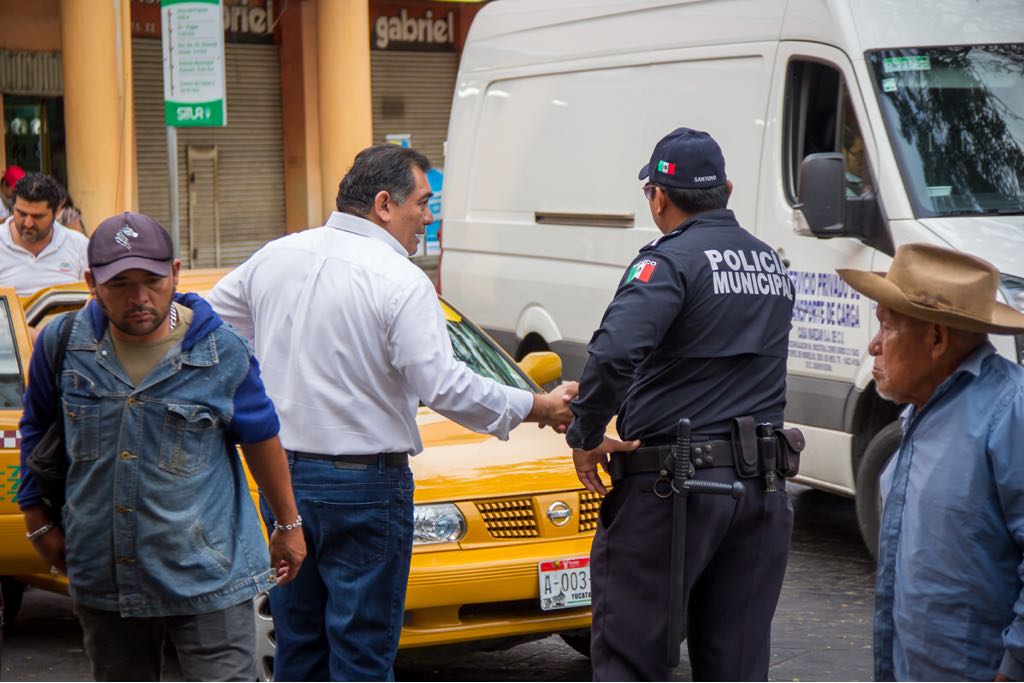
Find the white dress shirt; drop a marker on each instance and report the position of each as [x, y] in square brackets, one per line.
[61, 261]
[350, 338]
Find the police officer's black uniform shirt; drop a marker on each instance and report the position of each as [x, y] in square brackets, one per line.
[698, 328]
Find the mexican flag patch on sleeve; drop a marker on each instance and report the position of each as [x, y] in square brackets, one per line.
[642, 271]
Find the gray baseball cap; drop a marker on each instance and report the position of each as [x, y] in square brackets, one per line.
[126, 241]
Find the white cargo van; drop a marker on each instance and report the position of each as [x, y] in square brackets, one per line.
[885, 122]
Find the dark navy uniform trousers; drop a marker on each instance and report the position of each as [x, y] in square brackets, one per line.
[736, 553]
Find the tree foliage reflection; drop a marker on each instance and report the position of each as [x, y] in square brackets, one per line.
[955, 116]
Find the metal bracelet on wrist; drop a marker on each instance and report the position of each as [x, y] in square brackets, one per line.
[297, 524]
[40, 532]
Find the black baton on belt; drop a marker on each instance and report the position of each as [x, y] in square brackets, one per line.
[683, 483]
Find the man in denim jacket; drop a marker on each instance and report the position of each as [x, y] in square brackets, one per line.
[160, 538]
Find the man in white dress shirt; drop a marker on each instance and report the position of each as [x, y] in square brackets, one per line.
[351, 339]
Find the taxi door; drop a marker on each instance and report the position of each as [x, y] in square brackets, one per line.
[16, 553]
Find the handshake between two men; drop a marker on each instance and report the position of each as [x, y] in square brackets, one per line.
[552, 410]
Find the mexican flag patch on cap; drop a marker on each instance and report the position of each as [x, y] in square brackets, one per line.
[666, 167]
[642, 271]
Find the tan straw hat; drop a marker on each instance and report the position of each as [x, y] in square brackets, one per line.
[942, 286]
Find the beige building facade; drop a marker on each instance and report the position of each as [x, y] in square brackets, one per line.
[309, 83]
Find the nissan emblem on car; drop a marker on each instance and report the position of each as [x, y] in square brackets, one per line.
[559, 513]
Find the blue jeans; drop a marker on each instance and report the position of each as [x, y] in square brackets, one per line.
[341, 618]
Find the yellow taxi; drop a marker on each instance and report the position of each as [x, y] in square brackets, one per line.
[502, 529]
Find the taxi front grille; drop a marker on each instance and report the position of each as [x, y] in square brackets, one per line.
[510, 518]
[516, 518]
[590, 506]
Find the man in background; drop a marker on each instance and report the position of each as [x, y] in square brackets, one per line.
[35, 250]
[7, 182]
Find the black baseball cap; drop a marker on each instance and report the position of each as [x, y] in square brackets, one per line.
[686, 158]
[129, 240]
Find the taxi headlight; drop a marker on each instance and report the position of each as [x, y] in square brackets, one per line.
[437, 524]
[1013, 289]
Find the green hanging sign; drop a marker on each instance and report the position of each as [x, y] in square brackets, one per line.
[193, 45]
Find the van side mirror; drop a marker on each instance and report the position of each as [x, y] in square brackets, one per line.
[542, 367]
[821, 193]
[828, 211]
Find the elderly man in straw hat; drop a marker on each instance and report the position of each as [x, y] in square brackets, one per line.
[948, 598]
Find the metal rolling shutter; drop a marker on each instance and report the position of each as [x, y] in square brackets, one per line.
[249, 152]
[412, 93]
[31, 73]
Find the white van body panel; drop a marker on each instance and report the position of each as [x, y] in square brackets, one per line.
[896, 23]
[537, 320]
[818, 465]
[507, 35]
[997, 239]
[558, 104]
[562, 127]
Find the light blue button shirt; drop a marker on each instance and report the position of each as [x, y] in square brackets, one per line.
[948, 602]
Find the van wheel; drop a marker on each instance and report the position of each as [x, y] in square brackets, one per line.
[578, 640]
[13, 592]
[869, 498]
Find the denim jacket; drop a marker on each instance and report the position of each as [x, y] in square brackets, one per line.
[158, 519]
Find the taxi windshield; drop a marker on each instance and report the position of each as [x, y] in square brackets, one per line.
[474, 350]
[11, 387]
[955, 116]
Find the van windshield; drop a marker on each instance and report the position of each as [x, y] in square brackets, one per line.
[956, 120]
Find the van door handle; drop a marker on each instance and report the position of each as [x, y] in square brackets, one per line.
[782, 255]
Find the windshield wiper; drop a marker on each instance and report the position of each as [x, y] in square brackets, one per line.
[984, 212]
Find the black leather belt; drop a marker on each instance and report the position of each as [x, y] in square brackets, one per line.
[390, 459]
[655, 458]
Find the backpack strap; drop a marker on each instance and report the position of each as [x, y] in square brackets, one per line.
[58, 362]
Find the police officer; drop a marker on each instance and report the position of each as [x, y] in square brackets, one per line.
[698, 329]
